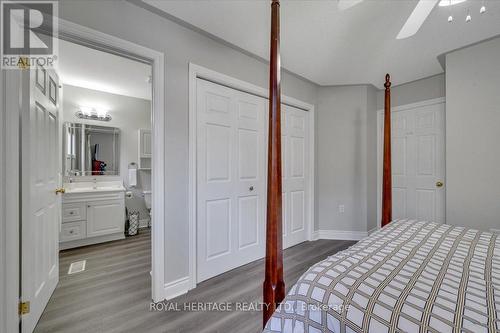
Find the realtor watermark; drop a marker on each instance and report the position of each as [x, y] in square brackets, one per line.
[300, 307]
[29, 34]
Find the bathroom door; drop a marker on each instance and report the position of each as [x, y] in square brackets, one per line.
[40, 202]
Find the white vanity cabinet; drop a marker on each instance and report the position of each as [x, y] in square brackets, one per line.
[92, 217]
[105, 217]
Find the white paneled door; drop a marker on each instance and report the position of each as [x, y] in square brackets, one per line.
[41, 206]
[418, 163]
[232, 177]
[295, 164]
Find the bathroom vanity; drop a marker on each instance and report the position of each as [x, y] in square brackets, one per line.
[92, 212]
[93, 203]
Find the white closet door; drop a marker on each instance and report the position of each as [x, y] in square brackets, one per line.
[418, 166]
[295, 161]
[231, 179]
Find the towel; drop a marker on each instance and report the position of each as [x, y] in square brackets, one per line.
[132, 177]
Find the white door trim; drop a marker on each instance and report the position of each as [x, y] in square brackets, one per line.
[380, 114]
[9, 200]
[157, 60]
[195, 72]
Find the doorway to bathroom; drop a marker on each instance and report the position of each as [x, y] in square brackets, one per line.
[96, 117]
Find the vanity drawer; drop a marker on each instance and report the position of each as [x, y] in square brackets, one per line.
[74, 212]
[73, 230]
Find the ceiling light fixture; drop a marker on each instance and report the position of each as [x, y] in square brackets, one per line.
[86, 112]
[450, 19]
[468, 18]
[482, 10]
[446, 3]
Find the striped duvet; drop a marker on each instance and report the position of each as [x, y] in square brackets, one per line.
[407, 277]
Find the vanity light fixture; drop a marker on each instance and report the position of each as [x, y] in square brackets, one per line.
[89, 113]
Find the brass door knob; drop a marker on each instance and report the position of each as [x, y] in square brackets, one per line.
[60, 190]
[439, 184]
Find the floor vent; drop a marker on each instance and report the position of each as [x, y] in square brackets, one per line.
[77, 267]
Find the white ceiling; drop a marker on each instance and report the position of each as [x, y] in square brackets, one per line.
[85, 67]
[332, 47]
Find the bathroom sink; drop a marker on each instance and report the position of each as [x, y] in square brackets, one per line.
[89, 187]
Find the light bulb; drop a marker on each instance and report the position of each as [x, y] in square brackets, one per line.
[450, 19]
[468, 18]
[86, 110]
[101, 113]
[482, 10]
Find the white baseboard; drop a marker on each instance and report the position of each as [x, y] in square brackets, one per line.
[340, 234]
[176, 288]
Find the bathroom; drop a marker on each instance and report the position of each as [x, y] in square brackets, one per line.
[106, 157]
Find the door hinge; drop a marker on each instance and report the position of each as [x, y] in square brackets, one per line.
[24, 308]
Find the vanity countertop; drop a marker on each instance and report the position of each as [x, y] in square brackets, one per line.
[94, 187]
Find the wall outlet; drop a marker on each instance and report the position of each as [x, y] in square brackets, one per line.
[341, 208]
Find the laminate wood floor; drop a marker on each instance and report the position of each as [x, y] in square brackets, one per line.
[113, 293]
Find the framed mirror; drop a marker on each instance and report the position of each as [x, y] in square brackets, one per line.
[90, 150]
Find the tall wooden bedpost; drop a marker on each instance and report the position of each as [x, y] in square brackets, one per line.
[274, 286]
[387, 173]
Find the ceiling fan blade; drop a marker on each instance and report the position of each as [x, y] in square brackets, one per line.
[417, 18]
[346, 4]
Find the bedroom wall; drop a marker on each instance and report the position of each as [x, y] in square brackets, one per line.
[180, 46]
[473, 135]
[415, 91]
[341, 157]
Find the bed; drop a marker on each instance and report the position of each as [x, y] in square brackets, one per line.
[407, 277]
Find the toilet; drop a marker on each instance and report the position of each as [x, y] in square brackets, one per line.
[147, 201]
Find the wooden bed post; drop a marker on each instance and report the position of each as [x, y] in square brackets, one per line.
[274, 286]
[387, 173]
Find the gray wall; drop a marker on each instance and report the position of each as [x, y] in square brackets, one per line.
[346, 149]
[473, 136]
[341, 157]
[181, 46]
[415, 91]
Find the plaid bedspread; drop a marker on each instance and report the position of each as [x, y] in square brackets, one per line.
[407, 277]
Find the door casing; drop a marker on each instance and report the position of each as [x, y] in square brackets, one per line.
[441, 100]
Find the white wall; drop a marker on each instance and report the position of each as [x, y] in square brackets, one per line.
[129, 114]
[341, 157]
[181, 46]
[473, 136]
